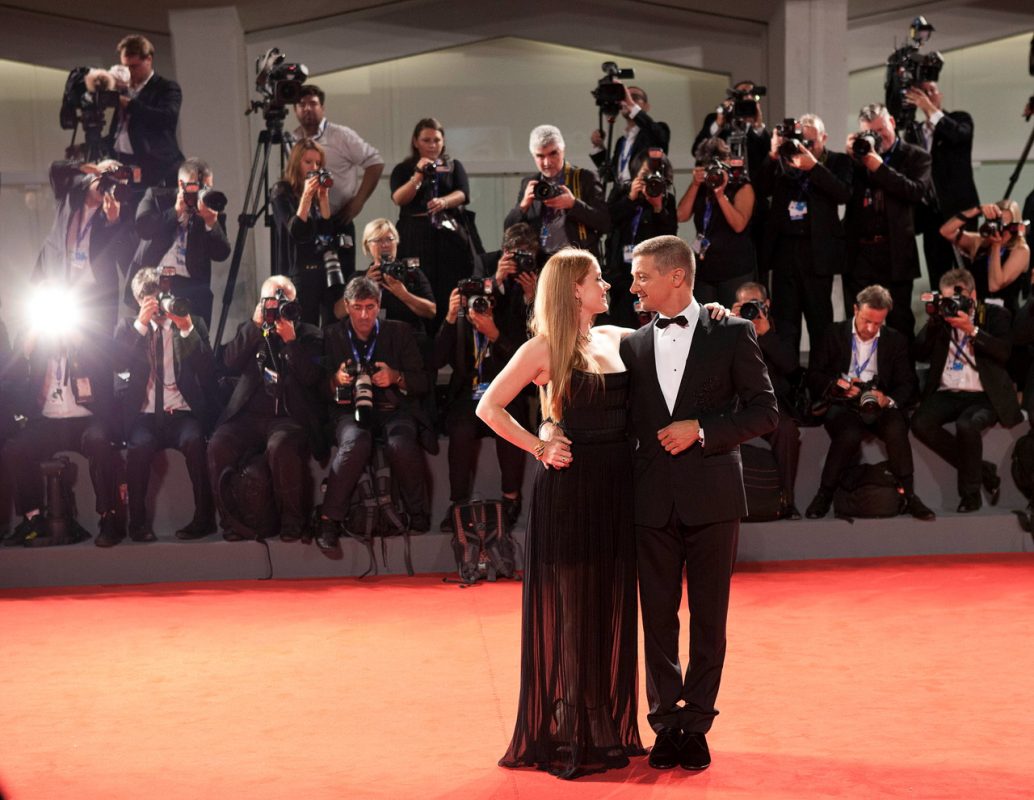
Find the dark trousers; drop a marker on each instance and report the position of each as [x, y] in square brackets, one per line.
[872, 265]
[785, 441]
[286, 448]
[939, 254]
[396, 431]
[723, 292]
[972, 414]
[180, 432]
[465, 431]
[847, 430]
[705, 553]
[41, 439]
[797, 290]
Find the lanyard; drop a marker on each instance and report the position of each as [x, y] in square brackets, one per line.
[708, 211]
[636, 220]
[854, 356]
[960, 351]
[370, 345]
[626, 154]
[548, 215]
[481, 347]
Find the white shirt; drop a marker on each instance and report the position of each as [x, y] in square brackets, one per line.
[346, 155]
[863, 356]
[172, 399]
[122, 143]
[58, 398]
[929, 126]
[670, 351]
[958, 375]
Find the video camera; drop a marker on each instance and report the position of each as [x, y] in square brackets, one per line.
[907, 68]
[475, 296]
[792, 134]
[866, 142]
[88, 93]
[278, 82]
[168, 303]
[608, 93]
[742, 104]
[279, 307]
[940, 306]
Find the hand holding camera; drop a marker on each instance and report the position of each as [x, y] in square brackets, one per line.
[148, 310]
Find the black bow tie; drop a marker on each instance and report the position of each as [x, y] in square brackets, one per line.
[664, 322]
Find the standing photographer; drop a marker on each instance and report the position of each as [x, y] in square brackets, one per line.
[967, 344]
[179, 230]
[642, 133]
[304, 235]
[740, 111]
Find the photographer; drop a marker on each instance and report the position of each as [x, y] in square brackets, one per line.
[304, 237]
[275, 406]
[642, 132]
[376, 381]
[639, 210]
[781, 361]
[890, 179]
[948, 138]
[346, 155]
[562, 202]
[997, 255]
[60, 377]
[179, 230]
[861, 368]
[740, 111]
[721, 202]
[803, 243]
[143, 130]
[968, 344]
[430, 188]
[515, 275]
[170, 400]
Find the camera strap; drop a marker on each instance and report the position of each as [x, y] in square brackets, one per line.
[960, 356]
[367, 356]
[80, 254]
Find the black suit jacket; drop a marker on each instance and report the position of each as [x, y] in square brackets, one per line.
[904, 181]
[153, 116]
[193, 363]
[895, 373]
[991, 349]
[651, 134]
[951, 152]
[829, 185]
[759, 143]
[725, 386]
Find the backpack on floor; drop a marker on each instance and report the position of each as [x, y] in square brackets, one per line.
[375, 513]
[1023, 476]
[482, 544]
[761, 483]
[868, 491]
[246, 495]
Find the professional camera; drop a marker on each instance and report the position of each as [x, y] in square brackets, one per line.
[608, 93]
[655, 180]
[907, 68]
[359, 393]
[323, 177]
[995, 227]
[88, 94]
[279, 307]
[752, 309]
[792, 134]
[116, 182]
[399, 269]
[195, 190]
[475, 296]
[745, 102]
[716, 171]
[280, 83]
[866, 142]
[168, 303]
[867, 400]
[430, 168]
[544, 190]
[332, 265]
[525, 261]
[942, 306]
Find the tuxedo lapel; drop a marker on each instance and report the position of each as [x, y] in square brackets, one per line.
[649, 358]
[695, 361]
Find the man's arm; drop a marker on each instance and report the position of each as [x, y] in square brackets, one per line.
[913, 183]
[993, 338]
[517, 214]
[956, 127]
[834, 178]
[658, 134]
[591, 208]
[160, 111]
[151, 219]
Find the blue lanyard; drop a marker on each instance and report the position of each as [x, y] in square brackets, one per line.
[626, 154]
[854, 356]
[481, 345]
[960, 350]
[708, 211]
[636, 220]
[83, 230]
[365, 358]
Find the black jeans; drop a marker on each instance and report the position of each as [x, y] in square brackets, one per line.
[972, 414]
[465, 430]
[796, 290]
[847, 430]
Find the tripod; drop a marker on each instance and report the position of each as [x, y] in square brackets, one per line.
[1026, 148]
[258, 191]
[606, 172]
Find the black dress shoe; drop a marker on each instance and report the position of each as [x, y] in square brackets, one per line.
[992, 482]
[918, 509]
[26, 531]
[694, 755]
[109, 534]
[328, 536]
[667, 750]
[290, 530]
[232, 536]
[970, 502]
[790, 512]
[142, 534]
[420, 523]
[196, 529]
[819, 507]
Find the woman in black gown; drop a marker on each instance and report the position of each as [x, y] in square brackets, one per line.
[577, 712]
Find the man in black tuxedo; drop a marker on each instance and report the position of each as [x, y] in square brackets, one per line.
[968, 384]
[854, 354]
[803, 245]
[889, 181]
[170, 401]
[179, 231]
[699, 388]
[358, 347]
[574, 214]
[641, 133]
[143, 129]
[275, 407]
[948, 137]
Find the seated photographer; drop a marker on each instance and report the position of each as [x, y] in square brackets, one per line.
[305, 247]
[997, 254]
[721, 202]
[430, 188]
[477, 345]
[88, 238]
[861, 371]
[781, 361]
[377, 378]
[642, 132]
[562, 202]
[170, 400]
[740, 111]
[184, 229]
[967, 343]
[275, 407]
[60, 377]
[640, 210]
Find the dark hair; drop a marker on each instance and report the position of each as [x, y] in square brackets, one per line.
[520, 236]
[711, 148]
[135, 45]
[362, 288]
[425, 123]
[310, 89]
[752, 286]
[876, 297]
[668, 253]
[643, 157]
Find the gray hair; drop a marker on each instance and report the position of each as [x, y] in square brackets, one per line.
[545, 135]
[872, 111]
[274, 282]
[813, 120]
[195, 167]
[145, 282]
[362, 288]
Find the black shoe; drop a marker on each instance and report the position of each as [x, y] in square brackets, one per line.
[26, 531]
[917, 508]
[667, 750]
[420, 523]
[511, 510]
[290, 530]
[970, 502]
[992, 483]
[196, 529]
[232, 536]
[142, 534]
[694, 755]
[790, 511]
[328, 535]
[109, 534]
[819, 507]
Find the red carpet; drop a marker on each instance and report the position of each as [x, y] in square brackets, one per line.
[852, 679]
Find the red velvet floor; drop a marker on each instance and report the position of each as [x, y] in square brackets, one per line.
[853, 679]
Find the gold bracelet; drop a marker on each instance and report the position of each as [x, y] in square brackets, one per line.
[539, 450]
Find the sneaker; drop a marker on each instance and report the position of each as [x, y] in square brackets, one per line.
[26, 531]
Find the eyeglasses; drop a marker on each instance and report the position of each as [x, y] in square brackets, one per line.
[384, 240]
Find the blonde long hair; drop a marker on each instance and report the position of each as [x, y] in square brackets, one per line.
[555, 317]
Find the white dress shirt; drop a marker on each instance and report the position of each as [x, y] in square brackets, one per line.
[671, 349]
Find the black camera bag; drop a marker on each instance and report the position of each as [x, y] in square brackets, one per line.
[868, 491]
[246, 495]
[761, 483]
[481, 542]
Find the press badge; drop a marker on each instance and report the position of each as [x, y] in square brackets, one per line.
[798, 210]
[626, 253]
[699, 246]
[479, 391]
[82, 391]
[270, 376]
